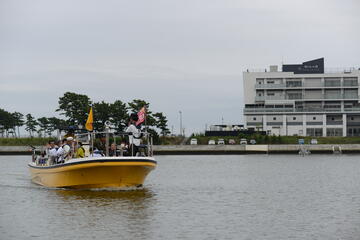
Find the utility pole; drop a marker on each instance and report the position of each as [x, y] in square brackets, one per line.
[180, 123]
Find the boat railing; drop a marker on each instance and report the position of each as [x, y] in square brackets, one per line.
[144, 149]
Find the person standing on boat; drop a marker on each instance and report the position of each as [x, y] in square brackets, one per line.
[60, 151]
[52, 152]
[64, 152]
[134, 134]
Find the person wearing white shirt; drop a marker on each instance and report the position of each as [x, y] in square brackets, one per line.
[52, 152]
[134, 135]
[60, 152]
[64, 152]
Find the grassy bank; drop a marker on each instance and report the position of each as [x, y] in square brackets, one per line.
[24, 141]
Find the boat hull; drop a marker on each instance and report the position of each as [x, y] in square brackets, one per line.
[117, 172]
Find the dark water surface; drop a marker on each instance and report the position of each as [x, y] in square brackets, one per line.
[194, 197]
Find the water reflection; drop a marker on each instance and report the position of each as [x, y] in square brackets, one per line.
[133, 195]
[128, 211]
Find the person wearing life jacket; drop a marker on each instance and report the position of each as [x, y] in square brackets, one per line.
[80, 152]
[134, 135]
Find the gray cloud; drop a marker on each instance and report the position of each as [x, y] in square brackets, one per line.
[178, 55]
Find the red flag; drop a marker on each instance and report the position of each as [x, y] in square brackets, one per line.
[141, 115]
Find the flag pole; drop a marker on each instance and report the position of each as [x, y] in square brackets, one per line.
[89, 126]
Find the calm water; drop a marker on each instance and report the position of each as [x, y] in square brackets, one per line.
[194, 197]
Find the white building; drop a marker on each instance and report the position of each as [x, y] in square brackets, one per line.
[303, 100]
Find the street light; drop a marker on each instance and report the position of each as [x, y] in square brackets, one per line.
[180, 123]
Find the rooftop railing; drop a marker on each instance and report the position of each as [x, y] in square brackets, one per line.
[326, 70]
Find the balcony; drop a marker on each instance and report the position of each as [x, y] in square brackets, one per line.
[255, 110]
[341, 96]
[350, 84]
[269, 86]
[351, 96]
[345, 84]
[333, 96]
[316, 97]
[249, 110]
[269, 98]
[354, 109]
[299, 97]
[332, 84]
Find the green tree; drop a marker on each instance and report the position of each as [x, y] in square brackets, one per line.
[155, 136]
[18, 118]
[56, 124]
[43, 125]
[75, 107]
[119, 115]
[266, 139]
[31, 124]
[161, 123]
[7, 122]
[101, 114]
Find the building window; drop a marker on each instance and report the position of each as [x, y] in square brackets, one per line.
[352, 118]
[332, 119]
[355, 131]
[271, 94]
[331, 132]
[314, 132]
[294, 118]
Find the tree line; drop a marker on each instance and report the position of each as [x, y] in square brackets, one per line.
[75, 109]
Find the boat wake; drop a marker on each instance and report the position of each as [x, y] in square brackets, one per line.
[24, 187]
[118, 189]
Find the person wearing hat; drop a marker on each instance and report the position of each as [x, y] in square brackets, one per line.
[64, 152]
[134, 134]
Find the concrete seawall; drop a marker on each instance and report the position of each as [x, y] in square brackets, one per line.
[220, 149]
[254, 149]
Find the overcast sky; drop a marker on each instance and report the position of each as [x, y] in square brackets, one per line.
[178, 55]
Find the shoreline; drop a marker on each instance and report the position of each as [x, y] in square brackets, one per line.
[224, 149]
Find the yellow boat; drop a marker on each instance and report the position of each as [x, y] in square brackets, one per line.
[94, 172]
